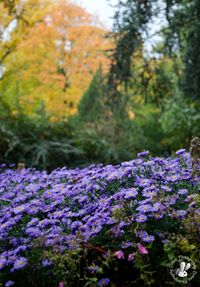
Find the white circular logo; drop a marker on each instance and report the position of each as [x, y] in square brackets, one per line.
[182, 269]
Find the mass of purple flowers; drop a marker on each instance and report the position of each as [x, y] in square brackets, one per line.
[111, 214]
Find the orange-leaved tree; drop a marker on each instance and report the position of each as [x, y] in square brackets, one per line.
[56, 58]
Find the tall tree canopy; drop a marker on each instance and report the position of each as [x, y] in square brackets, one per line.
[155, 68]
[55, 58]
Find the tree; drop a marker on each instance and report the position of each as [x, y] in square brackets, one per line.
[130, 17]
[192, 55]
[15, 18]
[92, 102]
[56, 58]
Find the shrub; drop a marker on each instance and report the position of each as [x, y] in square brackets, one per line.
[121, 225]
[36, 142]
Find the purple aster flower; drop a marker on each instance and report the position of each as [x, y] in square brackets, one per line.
[19, 209]
[143, 154]
[9, 283]
[93, 268]
[125, 245]
[131, 192]
[116, 207]
[166, 188]
[46, 263]
[190, 197]
[127, 172]
[157, 206]
[143, 182]
[142, 249]
[49, 242]
[171, 200]
[193, 204]
[141, 218]
[33, 232]
[76, 224]
[112, 176]
[174, 178]
[2, 263]
[149, 193]
[12, 165]
[148, 238]
[119, 254]
[131, 257]
[181, 213]
[158, 215]
[145, 201]
[34, 221]
[165, 241]
[180, 151]
[20, 263]
[3, 165]
[182, 191]
[144, 208]
[103, 282]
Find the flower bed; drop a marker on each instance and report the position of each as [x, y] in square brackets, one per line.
[99, 226]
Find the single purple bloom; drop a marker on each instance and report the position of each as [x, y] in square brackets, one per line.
[76, 224]
[171, 200]
[143, 182]
[3, 165]
[49, 242]
[182, 191]
[9, 283]
[142, 249]
[119, 254]
[192, 204]
[174, 178]
[180, 151]
[158, 215]
[125, 245]
[20, 263]
[93, 268]
[148, 238]
[131, 257]
[181, 213]
[103, 282]
[166, 188]
[2, 263]
[46, 263]
[143, 154]
[144, 208]
[190, 197]
[165, 241]
[157, 206]
[141, 218]
[131, 192]
[149, 193]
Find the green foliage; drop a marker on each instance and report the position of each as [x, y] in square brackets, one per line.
[36, 142]
[180, 121]
[192, 56]
[91, 103]
[129, 18]
[146, 101]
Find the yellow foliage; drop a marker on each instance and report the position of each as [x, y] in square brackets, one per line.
[56, 56]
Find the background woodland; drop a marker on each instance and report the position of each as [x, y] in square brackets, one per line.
[73, 93]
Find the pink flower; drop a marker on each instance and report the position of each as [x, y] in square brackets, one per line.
[119, 254]
[131, 257]
[142, 249]
[61, 284]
